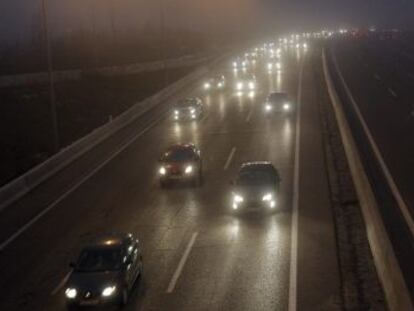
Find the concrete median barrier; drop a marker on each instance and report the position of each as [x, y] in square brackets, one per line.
[33, 178]
[387, 264]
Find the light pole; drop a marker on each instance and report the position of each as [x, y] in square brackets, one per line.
[163, 40]
[52, 96]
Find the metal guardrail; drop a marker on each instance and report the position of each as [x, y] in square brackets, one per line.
[390, 238]
[34, 177]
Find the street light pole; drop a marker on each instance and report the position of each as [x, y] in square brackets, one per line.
[163, 40]
[52, 96]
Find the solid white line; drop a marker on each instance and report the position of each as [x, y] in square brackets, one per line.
[19, 232]
[392, 92]
[61, 284]
[295, 209]
[391, 182]
[226, 166]
[249, 116]
[181, 264]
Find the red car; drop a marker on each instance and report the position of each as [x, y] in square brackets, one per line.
[181, 162]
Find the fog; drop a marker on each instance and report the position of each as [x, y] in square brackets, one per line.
[19, 19]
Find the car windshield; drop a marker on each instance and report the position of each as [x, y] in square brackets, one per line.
[179, 155]
[255, 177]
[278, 97]
[186, 103]
[99, 259]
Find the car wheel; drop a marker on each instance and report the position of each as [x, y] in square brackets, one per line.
[123, 299]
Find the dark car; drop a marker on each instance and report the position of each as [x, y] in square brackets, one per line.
[181, 162]
[216, 83]
[188, 109]
[105, 271]
[256, 186]
[278, 102]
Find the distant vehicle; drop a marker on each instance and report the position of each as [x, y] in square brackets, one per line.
[256, 187]
[188, 109]
[216, 83]
[105, 272]
[181, 162]
[240, 64]
[278, 102]
[246, 83]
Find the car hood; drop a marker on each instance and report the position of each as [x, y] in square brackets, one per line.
[93, 281]
[253, 191]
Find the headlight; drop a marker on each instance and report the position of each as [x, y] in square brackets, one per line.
[207, 86]
[162, 170]
[278, 66]
[234, 64]
[251, 85]
[286, 106]
[269, 66]
[192, 110]
[268, 107]
[71, 293]
[238, 198]
[267, 197]
[176, 112]
[220, 84]
[108, 291]
[189, 169]
[239, 86]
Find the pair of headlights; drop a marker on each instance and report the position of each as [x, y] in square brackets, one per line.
[269, 107]
[250, 85]
[267, 198]
[188, 170]
[108, 291]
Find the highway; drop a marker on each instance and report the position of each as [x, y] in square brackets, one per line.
[198, 255]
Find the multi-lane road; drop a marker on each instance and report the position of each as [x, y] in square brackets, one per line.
[197, 254]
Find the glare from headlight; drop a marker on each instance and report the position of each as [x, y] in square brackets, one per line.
[234, 64]
[220, 84]
[176, 112]
[269, 66]
[268, 107]
[272, 204]
[286, 106]
[71, 293]
[162, 170]
[235, 206]
[108, 291]
[189, 169]
[278, 66]
[193, 116]
[207, 86]
[305, 46]
[251, 85]
[192, 110]
[238, 198]
[239, 86]
[267, 197]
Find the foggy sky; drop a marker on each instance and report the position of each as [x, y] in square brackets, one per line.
[19, 18]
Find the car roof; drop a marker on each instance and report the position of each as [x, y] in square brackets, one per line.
[278, 94]
[181, 146]
[188, 101]
[257, 165]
